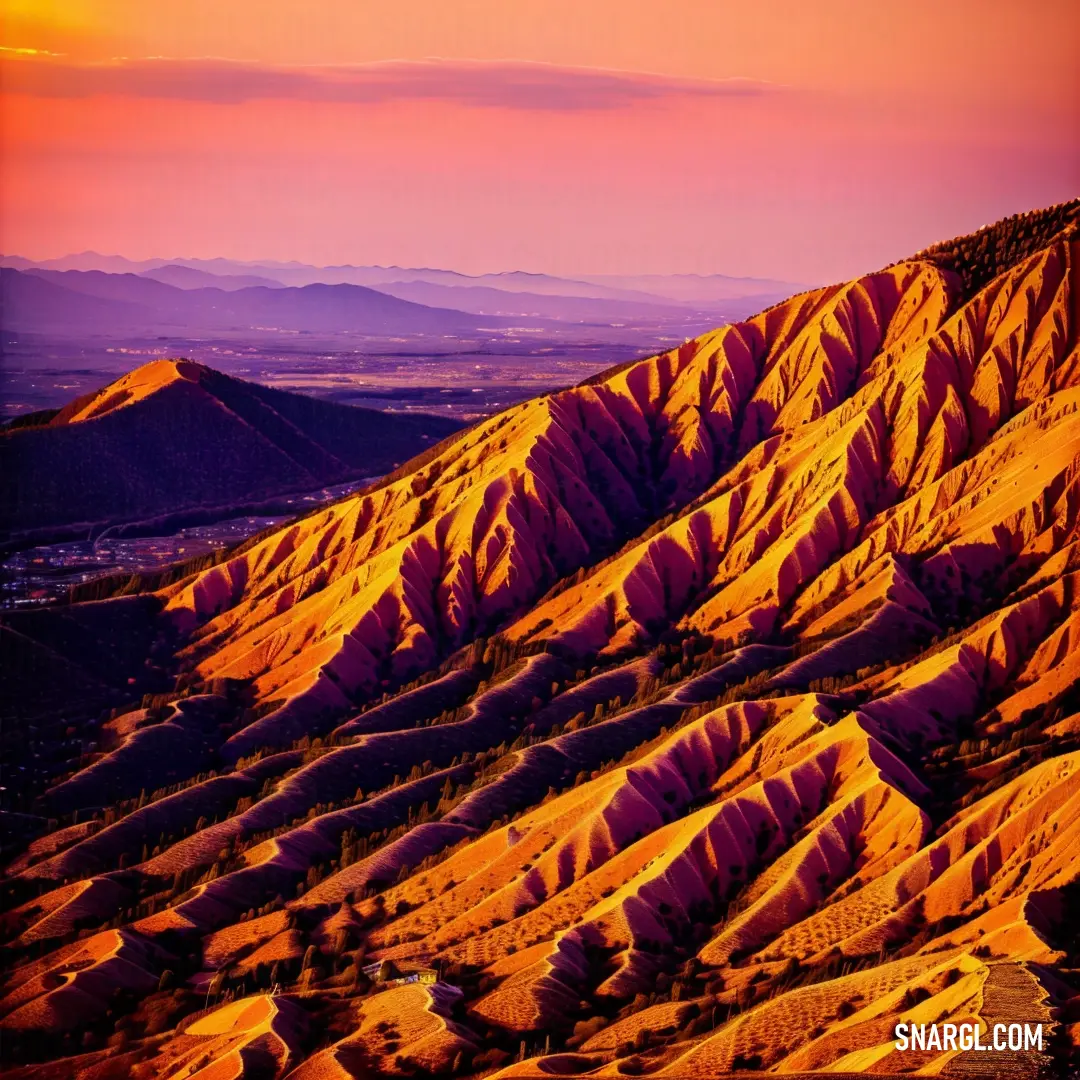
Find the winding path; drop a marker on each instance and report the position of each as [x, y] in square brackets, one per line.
[1011, 995]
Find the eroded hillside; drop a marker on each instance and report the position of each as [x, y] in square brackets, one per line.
[718, 714]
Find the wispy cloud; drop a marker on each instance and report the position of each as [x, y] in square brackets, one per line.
[482, 84]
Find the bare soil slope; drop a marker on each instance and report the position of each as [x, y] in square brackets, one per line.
[716, 715]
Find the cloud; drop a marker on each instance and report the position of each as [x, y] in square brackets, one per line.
[476, 83]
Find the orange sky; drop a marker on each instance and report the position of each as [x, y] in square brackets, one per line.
[587, 136]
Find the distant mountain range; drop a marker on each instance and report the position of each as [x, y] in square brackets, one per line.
[187, 277]
[651, 294]
[175, 436]
[500, 303]
[77, 302]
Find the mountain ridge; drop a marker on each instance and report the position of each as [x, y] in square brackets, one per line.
[714, 715]
[664, 288]
[168, 437]
[73, 302]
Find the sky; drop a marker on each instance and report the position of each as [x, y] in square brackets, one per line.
[806, 140]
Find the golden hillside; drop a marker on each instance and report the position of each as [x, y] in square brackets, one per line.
[716, 715]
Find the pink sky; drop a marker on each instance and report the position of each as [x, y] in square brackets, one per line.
[802, 140]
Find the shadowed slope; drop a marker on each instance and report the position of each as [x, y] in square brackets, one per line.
[175, 436]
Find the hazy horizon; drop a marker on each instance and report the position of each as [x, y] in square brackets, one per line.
[282, 263]
[479, 270]
[800, 143]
